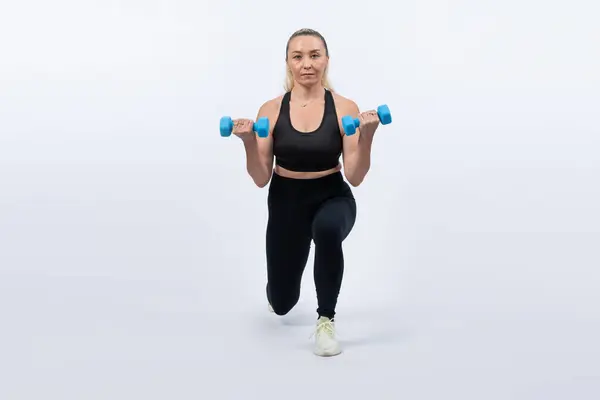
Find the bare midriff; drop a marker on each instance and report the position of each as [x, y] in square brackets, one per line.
[305, 175]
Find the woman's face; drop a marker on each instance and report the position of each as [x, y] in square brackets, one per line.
[307, 59]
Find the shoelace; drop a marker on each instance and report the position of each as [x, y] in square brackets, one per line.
[325, 326]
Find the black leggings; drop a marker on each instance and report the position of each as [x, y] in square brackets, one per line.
[322, 210]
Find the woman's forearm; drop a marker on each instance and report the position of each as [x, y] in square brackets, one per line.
[358, 161]
[258, 165]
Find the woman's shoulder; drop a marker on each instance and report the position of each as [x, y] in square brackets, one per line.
[344, 103]
[271, 106]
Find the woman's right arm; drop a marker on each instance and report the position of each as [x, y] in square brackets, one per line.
[259, 151]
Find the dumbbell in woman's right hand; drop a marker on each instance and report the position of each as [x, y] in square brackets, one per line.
[244, 128]
[350, 124]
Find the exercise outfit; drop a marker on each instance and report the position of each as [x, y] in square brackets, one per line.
[301, 211]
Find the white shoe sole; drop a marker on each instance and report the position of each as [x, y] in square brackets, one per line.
[328, 352]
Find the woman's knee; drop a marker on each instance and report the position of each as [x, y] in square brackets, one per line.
[334, 221]
[282, 307]
[282, 299]
[283, 304]
[327, 231]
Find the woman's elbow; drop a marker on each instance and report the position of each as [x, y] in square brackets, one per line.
[354, 182]
[353, 178]
[261, 183]
[261, 179]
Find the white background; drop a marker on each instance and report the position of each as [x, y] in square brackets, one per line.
[132, 239]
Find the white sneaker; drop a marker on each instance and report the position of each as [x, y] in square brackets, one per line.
[326, 344]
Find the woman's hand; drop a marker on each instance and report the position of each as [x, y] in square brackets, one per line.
[244, 129]
[369, 121]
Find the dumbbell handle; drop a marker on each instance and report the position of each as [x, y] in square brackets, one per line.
[261, 126]
[350, 124]
[356, 122]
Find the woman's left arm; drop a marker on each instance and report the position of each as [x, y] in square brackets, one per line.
[357, 147]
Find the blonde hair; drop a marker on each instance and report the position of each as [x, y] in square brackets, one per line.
[289, 78]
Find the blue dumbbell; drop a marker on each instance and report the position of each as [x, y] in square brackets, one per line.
[261, 127]
[350, 124]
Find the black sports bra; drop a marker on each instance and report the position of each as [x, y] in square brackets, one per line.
[319, 150]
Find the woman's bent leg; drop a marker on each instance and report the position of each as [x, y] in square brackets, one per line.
[331, 225]
[288, 246]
